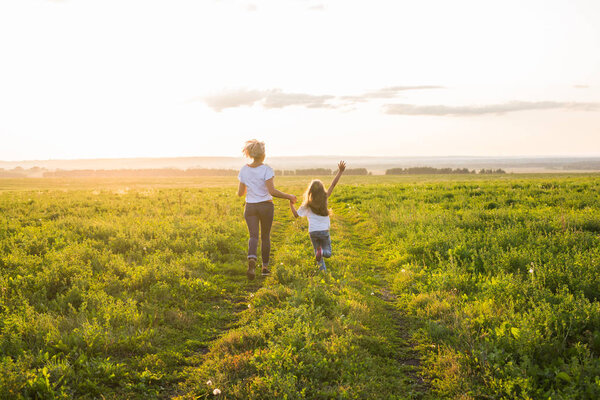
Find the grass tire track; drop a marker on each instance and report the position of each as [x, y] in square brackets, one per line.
[307, 334]
[354, 225]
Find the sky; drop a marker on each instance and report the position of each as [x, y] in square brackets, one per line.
[150, 78]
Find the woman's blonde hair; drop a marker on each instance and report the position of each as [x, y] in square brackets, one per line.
[315, 197]
[254, 149]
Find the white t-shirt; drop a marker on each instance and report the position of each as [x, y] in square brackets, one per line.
[315, 222]
[254, 179]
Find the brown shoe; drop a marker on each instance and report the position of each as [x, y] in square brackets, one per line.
[251, 267]
[265, 271]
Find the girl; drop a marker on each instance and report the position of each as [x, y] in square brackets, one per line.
[256, 182]
[314, 207]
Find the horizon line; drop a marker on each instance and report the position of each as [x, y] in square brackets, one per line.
[307, 156]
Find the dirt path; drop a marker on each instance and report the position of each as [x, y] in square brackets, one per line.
[378, 333]
[353, 228]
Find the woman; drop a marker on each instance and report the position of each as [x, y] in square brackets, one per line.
[256, 182]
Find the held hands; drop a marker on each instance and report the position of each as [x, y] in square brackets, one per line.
[342, 166]
[292, 208]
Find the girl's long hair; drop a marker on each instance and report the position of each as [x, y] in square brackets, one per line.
[315, 197]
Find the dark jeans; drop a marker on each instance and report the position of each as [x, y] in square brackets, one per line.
[321, 239]
[255, 214]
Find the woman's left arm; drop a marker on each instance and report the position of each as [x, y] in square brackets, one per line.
[241, 189]
[276, 193]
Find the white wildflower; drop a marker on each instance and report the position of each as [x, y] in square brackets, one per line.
[216, 392]
[372, 294]
[209, 382]
[248, 305]
[251, 295]
[531, 270]
[403, 270]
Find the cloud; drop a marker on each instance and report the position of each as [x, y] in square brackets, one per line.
[513, 106]
[274, 98]
[317, 7]
[251, 7]
[277, 98]
[387, 93]
[230, 99]
[581, 86]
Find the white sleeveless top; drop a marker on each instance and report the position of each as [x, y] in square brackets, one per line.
[254, 179]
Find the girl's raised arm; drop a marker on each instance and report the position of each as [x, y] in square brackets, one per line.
[341, 168]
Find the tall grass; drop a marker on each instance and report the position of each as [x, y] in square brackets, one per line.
[113, 293]
[485, 286]
[503, 276]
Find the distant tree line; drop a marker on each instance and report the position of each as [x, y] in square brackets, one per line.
[8, 173]
[150, 172]
[320, 171]
[356, 171]
[173, 172]
[20, 172]
[439, 171]
[314, 171]
[285, 172]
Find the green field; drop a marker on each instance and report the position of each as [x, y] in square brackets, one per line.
[470, 287]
